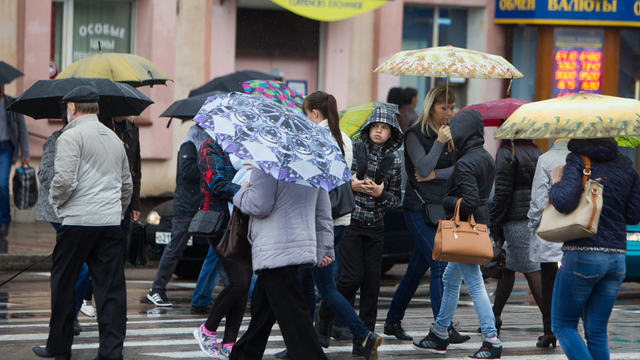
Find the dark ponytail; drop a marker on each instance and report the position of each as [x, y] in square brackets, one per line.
[326, 104]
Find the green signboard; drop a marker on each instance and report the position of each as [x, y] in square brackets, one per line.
[106, 22]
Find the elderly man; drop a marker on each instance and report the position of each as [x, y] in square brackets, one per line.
[90, 191]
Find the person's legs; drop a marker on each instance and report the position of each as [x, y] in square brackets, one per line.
[534, 279]
[600, 304]
[323, 277]
[452, 279]
[232, 300]
[172, 252]
[503, 291]
[372, 264]
[106, 265]
[207, 280]
[475, 285]
[283, 289]
[252, 344]
[69, 254]
[308, 290]
[338, 235]
[6, 152]
[548, 273]
[575, 281]
[82, 285]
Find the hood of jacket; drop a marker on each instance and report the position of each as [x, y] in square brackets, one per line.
[467, 131]
[596, 149]
[387, 116]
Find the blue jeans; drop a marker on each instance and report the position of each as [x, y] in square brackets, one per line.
[323, 278]
[82, 284]
[421, 260]
[209, 277]
[472, 276]
[587, 284]
[6, 153]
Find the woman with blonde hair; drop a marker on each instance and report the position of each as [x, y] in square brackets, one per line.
[429, 157]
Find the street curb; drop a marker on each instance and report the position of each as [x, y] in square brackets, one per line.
[17, 262]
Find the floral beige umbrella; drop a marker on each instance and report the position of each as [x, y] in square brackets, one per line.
[582, 116]
[449, 61]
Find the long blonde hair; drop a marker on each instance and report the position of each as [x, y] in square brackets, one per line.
[437, 95]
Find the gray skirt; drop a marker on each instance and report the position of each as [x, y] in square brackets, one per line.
[517, 242]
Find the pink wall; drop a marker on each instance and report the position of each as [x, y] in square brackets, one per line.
[336, 60]
[293, 68]
[34, 44]
[223, 39]
[155, 39]
[388, 42]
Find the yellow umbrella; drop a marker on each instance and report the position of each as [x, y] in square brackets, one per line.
[352, 119]
[582, 115]
[125, 68]
[449, 61]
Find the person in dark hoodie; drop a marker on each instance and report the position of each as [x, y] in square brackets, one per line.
[377, 186]
[471, 180]
[592, 268]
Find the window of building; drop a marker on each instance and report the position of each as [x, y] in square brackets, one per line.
[424, 27]
[80, 28]
[523, 56]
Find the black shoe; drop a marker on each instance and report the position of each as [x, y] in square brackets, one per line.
[322, 329]
[545, 340]
[42, 352]
[357, 350]
[341, 333]
[371, 346]
[487, 351]
[456, 338]
[77, 329]
[397, 331]
[201, 309]
[4, 230]
[433, 344]
[284, 354]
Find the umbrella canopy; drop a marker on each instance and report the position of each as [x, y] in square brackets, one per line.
[628, 141]
[43, 100]
[125, 68]
[8, 73]
[493, 112]
[449, 61]
[352, 119]
[187, 109]
[230, 82]
[582, 115]
[279, 140]
[276, 91]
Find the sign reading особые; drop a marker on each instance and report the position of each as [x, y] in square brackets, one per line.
[569, 12]
[329, 10]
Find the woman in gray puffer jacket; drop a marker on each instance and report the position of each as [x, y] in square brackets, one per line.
[290, 227]
[515, 168]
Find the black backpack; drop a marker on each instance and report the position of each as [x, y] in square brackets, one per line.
[360, 154]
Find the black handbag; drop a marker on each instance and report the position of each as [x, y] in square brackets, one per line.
[137, 244]
[432, 212]
[25, 187]
[493, 268]
[342, 200]
[235, 244]
[206, 223]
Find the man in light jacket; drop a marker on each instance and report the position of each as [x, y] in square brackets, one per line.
[290, 227]
[90, 191]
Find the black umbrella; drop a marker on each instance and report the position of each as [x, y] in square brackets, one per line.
[187, 109]
[43, 100]
[231, 82]
[8, 73]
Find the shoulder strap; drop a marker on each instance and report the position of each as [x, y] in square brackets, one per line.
[586, 172]
[382, 171]
[360, 155]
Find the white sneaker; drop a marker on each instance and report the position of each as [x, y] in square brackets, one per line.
[87, 308]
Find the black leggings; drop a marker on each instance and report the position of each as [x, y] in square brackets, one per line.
[232, 300]
[549, 271]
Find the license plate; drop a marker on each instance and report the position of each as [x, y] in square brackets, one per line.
[163, 237]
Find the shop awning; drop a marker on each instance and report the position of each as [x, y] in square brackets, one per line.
[329, 10]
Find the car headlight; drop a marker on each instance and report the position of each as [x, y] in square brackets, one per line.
[633, 236]
[153, 218]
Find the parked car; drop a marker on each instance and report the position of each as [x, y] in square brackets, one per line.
[398, 243]
[632, 259]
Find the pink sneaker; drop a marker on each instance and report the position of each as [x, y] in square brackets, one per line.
[207, 341]
[225, 352]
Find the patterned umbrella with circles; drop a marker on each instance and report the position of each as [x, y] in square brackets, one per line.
[279, 140]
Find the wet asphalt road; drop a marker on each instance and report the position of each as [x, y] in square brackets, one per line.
[166, 333]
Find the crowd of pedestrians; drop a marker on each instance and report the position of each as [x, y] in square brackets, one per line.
[297, 245]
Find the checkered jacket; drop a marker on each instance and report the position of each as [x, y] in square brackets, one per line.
[216, 188]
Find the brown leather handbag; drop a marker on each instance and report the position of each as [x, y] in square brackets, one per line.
[462, 241]
[235, 244]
